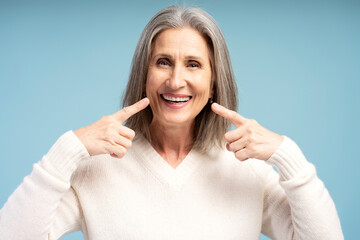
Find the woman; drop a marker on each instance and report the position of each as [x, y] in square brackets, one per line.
[174, 179]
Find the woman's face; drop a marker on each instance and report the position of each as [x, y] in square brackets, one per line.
[179, 77]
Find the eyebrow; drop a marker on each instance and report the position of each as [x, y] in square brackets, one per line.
[171, 57]
[163, 55]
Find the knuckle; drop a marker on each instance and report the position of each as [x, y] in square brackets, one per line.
[252, 122]
[233, 114]
[250, 148]
[108, 131]
[246, 154]
[132, 133]
[123, 142]
[107, 138]
[249, 130]
[126, 110]
[248, 122]
[227, 136]
[119, 152]
[108, 119]
[122, 151]
[255, 149]
[106, 149]
[230, 147]
[247, 139]
[238, 155]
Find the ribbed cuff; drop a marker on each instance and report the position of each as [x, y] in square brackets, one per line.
[289, 160]
[64, 156]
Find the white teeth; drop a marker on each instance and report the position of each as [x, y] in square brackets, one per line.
[176, 99]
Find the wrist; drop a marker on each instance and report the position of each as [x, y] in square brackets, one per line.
[289, 159]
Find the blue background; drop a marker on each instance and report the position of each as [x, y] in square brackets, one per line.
[64, 64]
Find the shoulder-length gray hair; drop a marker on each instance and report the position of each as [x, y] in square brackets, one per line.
[209, 127]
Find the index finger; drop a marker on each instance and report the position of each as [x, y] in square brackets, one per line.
[230, 115]
[128, 111]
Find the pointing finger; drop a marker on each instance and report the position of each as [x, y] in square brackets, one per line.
[128, 111]
[230, 115]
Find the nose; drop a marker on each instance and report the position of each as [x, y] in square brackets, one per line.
[176, 79]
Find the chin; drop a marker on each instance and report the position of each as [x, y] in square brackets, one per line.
[173, 119]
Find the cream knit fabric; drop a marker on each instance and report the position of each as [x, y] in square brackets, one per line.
[208, 196]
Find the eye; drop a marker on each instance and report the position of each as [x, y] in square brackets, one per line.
[163, 62]
[194, 64]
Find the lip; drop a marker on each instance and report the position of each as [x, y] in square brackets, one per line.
[178, 105]
[175, 95]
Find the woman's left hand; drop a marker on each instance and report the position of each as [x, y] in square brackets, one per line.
[249, 139]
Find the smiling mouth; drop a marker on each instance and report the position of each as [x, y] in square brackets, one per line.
[175, 100]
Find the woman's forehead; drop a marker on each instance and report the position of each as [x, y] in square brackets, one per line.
[180, 41]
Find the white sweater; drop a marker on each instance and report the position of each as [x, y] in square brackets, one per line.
[140, 196]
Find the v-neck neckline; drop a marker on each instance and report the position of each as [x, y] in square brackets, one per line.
[173, 177]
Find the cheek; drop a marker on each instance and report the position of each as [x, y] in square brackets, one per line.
[151, 85]
[154, 80]
[203, 87]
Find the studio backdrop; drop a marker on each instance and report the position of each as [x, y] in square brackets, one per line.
[65, 64]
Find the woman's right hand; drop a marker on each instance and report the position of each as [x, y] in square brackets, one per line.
[108, 135]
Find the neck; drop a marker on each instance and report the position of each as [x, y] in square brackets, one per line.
[173, 143]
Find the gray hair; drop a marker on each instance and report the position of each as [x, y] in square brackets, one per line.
[209, 127]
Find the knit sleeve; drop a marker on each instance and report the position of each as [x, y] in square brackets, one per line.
[296, 203]
[45, 206]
